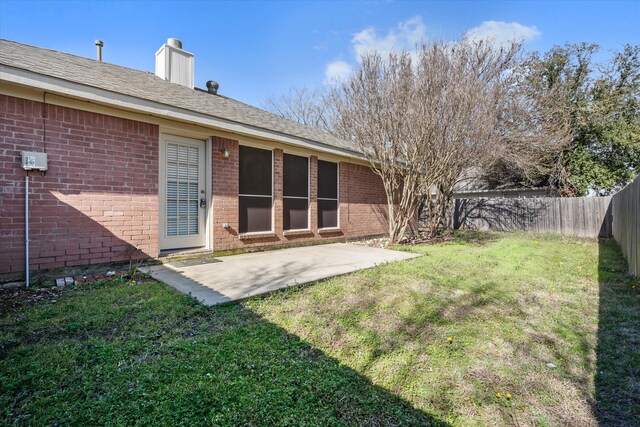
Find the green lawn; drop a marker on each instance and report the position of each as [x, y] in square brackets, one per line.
[370, 348]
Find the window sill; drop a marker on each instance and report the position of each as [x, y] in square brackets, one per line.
[329, 230]
[297, 232]
[256, 235]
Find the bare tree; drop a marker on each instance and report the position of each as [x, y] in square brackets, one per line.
[478, 78]
[423, 118]
[306, 106]
[493, 117]
[378, 111]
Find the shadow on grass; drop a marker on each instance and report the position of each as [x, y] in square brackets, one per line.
[617, 378]
[122, 354]
[477, 238]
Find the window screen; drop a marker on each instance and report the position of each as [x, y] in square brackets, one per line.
[295, 183]
[255, 194]
[327, 194]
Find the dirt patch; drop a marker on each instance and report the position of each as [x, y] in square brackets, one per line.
[378, 242]
[12, 299]
[410, 240]
[423, 238]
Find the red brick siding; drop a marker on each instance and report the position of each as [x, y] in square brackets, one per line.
[363, 204]
[362, 201]
[98, 200]
[225, 187]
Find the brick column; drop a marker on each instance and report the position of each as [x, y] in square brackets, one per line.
[345, 175]
[313, 194]
[225, 186]
[277, 191]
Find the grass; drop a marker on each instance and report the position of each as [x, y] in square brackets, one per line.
[369, 348]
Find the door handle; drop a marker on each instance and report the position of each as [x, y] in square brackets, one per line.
[203, 203]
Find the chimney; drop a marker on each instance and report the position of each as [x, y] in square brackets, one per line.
[174, 64]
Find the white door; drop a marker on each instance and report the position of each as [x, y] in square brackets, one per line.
[183, 201]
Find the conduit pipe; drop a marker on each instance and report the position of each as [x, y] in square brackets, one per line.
[26, 227]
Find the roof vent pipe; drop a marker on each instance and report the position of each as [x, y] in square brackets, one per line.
[212, 87]
[99, 45]
[174, 43]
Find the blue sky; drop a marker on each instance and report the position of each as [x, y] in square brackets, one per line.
[258, 49]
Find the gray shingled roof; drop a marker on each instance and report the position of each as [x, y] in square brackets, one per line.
[145, 85]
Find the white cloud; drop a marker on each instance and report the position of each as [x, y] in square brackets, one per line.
[409, 34]
[502, 33]
[405, 38]
[337, 71]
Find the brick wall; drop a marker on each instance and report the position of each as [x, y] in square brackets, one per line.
[97, 202]
[362, 202]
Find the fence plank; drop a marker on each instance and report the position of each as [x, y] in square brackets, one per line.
[626, 223]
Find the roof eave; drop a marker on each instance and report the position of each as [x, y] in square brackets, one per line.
[119, 100]
[504, 190]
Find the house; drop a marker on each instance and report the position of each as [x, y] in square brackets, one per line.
[141, 164]
[472, 185]
[505, 193]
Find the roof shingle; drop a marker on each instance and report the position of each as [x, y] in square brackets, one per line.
[147, 86]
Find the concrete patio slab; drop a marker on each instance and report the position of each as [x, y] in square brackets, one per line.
[219, 280]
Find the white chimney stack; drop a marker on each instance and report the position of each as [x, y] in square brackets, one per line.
[174, 64]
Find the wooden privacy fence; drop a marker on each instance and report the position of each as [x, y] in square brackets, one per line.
[616, 216]
[579, 216]
[625, 209]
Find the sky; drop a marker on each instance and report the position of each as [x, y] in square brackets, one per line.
[260, 49]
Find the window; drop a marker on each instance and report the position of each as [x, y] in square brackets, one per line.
[295, 192]
[327, 194]
[255, 195]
